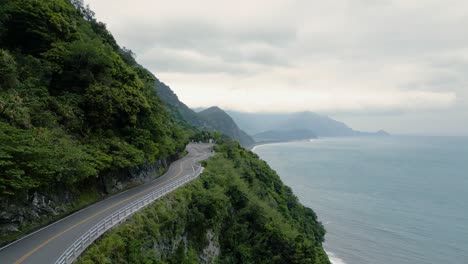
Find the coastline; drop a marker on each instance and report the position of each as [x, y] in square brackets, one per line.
[334, 259]
[256, 144]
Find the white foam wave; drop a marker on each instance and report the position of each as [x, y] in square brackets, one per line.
[334, 259]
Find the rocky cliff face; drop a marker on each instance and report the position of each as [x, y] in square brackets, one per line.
[41, 207]
[171, 246]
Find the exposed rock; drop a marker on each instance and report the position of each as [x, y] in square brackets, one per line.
[38, 205]
[9, 228]
[136, 176]
[212, 250]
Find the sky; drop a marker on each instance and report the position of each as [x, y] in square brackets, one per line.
[397, 65]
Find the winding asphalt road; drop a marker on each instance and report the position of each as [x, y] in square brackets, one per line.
[47, 244]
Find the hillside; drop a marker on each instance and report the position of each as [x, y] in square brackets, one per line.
[212, 119]
[223, 123]
[177, 109]
[80, 120]
[322, 126]
[78, 117]
[242, 213]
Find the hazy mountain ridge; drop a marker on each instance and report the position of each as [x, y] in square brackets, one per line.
[211, 119]
[321, 125]
[222, 122]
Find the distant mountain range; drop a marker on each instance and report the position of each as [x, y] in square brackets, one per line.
[263, 126]
[211, 119]
[320, 125]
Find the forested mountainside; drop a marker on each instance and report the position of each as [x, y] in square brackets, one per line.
[222, 122]
[239, 211]
[80, 119]
[180, 112]
[211, 119]
[76, 112]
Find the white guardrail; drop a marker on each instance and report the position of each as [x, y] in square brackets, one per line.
[75, 250]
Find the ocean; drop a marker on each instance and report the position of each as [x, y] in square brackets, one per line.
[382, 200]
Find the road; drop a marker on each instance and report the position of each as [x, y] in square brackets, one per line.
[47, 244]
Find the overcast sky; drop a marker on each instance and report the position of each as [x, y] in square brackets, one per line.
[398, 65]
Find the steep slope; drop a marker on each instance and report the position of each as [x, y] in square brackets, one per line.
[212, 120]
[177, 109]
[78, 117]
[222, 122]
[238, 211]
[322, 126]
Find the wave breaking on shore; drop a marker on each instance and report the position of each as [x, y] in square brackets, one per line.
[334, 259]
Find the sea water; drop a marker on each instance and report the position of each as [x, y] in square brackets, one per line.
[389, 200]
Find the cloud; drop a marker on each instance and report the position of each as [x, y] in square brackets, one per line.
[355, 57]
[264, 99]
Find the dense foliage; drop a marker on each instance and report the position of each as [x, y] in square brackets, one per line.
[239, 205]
[179, 112]
[75, 108]
[73, 104]
[212, 119]
[222, 122]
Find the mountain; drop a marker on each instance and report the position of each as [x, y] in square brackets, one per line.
[321, 125]
[198, 109]
[381, 133]
[79, 118]
[222, 122]
[178, 110]
[211, 119]
[284, 135]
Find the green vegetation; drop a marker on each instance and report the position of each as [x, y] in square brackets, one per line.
[71, 105]
[178, 111]
[78, 114]
[74, 106]
[222, 122]
[238, 208]
[212, 119]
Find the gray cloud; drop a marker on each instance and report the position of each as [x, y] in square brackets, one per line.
[373, 59]
[219, 49]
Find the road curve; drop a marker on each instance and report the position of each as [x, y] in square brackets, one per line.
[47, 244]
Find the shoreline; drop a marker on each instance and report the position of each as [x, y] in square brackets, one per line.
[334, 259]
[256, 144]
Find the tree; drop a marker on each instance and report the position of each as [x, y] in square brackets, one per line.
[8, 71]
